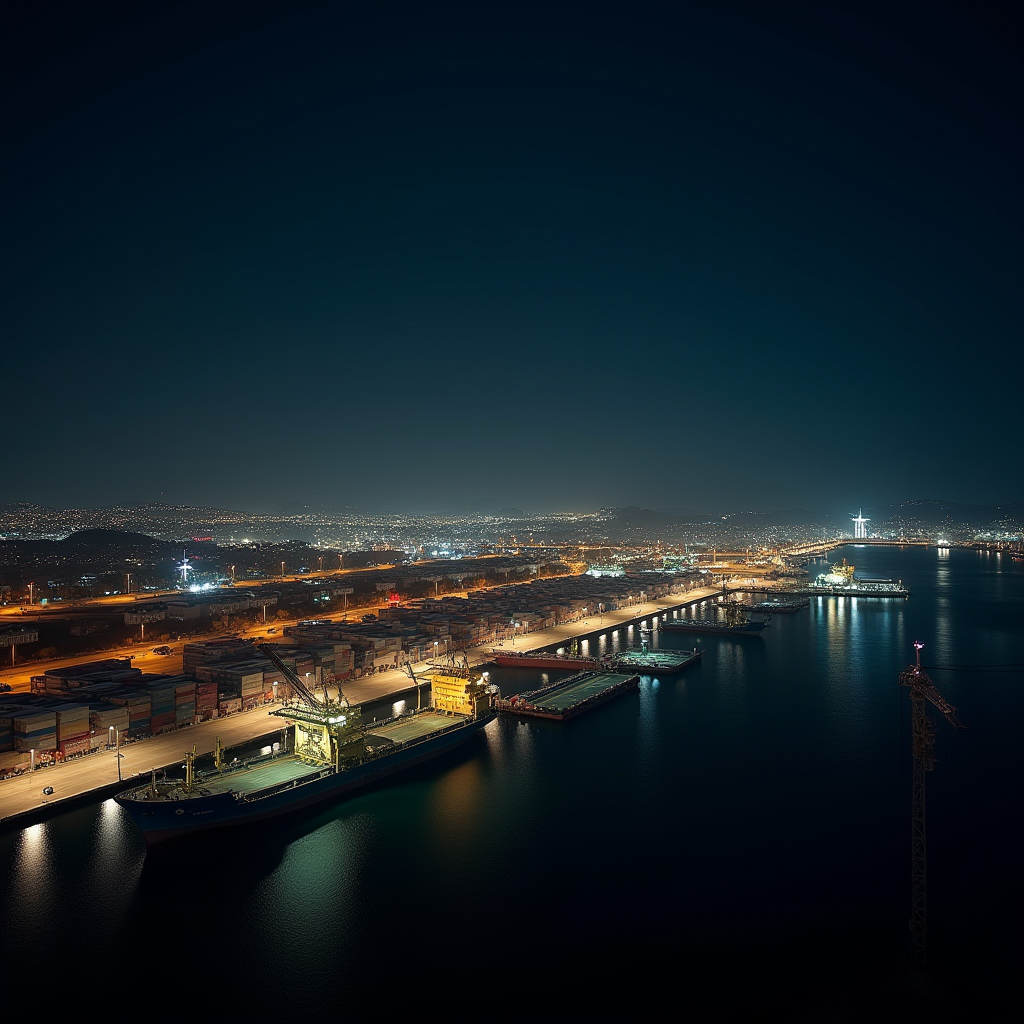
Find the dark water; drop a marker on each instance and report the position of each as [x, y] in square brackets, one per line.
[734, 839]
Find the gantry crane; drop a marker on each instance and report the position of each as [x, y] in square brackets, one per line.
[922, 748]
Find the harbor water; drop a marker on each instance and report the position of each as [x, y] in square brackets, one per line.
[735, 837]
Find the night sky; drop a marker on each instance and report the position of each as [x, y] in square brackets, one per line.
[555, 256]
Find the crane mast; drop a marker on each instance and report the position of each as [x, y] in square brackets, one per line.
[923, 752]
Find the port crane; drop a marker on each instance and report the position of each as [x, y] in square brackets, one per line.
[326, 706]
[922, 749]
[415, 682]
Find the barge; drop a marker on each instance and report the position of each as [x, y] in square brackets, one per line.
[569, 697]
[735, 624]
[660, 662]
[542, 659]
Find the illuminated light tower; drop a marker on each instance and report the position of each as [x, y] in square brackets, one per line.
[185, 567]
[922, 747]
[860, 531]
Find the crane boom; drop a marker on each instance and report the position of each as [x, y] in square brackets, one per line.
[304, 693]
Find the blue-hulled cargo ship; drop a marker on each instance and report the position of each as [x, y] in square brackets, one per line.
[328, 754]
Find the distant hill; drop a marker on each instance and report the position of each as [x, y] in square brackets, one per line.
[110, 539]
[931, 512]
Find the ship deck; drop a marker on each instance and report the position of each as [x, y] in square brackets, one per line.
[264, 775]
[413, 728]
[653, 660]
[562, 697]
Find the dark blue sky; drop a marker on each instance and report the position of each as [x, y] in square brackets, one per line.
[701, 255]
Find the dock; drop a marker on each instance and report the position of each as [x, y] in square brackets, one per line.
[570, 697]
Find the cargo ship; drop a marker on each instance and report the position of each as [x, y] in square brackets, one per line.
[568, 697]
[736, 623]
[327, 754]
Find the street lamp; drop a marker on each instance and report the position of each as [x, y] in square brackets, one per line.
[129, 575]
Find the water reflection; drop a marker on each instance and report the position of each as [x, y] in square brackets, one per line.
[33, 896]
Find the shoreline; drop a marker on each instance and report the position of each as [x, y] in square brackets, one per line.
[88, 779]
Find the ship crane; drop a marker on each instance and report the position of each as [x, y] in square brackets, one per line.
[325, 707]
[922, 748]
[415, 682]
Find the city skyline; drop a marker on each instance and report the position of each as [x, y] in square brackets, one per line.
[699, 256]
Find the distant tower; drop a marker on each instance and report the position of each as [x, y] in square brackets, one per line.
[185, 568]
[860, 531]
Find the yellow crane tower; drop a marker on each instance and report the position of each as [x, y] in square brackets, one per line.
[922, 734]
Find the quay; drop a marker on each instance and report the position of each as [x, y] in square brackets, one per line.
[95, 777]
[569, 697]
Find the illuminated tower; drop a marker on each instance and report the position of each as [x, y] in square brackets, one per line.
[859, 529]
[184, 568]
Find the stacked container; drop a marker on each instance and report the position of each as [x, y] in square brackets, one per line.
[184, 701]
[103, 718]
[140, 707]
[161, 695]
[34, 729]
[73, 729]
[206, 699]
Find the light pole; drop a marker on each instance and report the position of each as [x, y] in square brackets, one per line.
[282, 568]
[110, 737]
[31, 593]
[117, 751]
[129, 575]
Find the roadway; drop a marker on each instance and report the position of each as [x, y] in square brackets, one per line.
[95, 775]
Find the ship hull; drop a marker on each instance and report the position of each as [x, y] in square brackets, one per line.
[507, 660]
[705, 627]
[160, 821]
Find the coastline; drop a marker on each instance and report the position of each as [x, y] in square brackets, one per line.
[94, 778]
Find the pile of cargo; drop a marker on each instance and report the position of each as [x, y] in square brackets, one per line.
[73, 729]
[34, 729]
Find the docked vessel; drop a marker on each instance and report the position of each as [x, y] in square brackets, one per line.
[568, 697]
[542, 659]
[327, 754]
[778, 607]
[661, 662]
[735, 624]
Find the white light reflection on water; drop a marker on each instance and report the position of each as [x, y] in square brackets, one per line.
[648, 745]
[942, 641]
[33, 896]
[114, 855]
